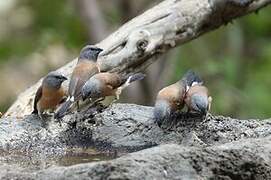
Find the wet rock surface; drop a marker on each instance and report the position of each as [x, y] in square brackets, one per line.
[211, 147]
[244, 159]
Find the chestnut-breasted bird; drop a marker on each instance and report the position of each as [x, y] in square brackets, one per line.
[85, 68]
[108, 84]
[50, 94]
[198, 100]
[171, 98]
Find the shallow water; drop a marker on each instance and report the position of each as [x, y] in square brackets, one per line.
[34, 163]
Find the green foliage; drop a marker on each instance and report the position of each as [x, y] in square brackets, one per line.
[52, 22]
[234, 61]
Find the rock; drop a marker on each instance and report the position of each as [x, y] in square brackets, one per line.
[188, 147]
[123, 127]
[243, 159]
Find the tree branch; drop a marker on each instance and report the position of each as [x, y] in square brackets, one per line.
[170, 23]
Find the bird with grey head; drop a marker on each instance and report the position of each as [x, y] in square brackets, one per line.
[108, 84]
[198, 100]
[85, 68]
[170, 99]
[50, 94]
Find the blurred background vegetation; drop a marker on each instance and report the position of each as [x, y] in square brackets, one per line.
[41, 35]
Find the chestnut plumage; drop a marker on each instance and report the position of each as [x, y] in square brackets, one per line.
[85, 68]
[108, 84]
[171, 98]
[50, 94]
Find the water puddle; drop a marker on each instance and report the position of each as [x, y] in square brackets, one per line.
[34, 163]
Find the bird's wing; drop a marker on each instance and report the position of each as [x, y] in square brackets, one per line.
[36, 100]
[113, 80]
[72, 85]
[81, 74]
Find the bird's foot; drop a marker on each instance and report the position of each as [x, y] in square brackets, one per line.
[118, 93]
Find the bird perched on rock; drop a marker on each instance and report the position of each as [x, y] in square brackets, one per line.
[198, 100]
[50, 94]
[85, 68]
[171, 98]
[108, 84]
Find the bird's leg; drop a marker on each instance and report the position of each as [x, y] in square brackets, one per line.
[43, 120]
[40, 112]
[117, 93]
[76, 115]
[117, 96]
[93, 102]
[98, 100]
[77, 106]
[41, 117]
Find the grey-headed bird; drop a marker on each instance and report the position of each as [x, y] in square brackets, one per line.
[85, 68]
[50, 94]
[171, 98]
[108, 84]
[198, 100]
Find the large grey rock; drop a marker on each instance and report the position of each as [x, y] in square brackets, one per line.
[244, 159]
[123, 127]
[214, 147]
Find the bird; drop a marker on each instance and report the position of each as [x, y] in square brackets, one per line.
[1, 114]
[50, 94]
[108, 84]
[240, 3]
[197, 100]
[171, 98]
[85, 68]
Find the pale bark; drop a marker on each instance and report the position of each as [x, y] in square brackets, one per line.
[135, 45]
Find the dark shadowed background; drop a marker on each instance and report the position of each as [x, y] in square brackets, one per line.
[234, 61]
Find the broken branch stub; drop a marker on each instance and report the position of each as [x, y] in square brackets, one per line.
[135, 45]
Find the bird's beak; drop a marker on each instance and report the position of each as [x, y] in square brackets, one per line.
[64, 78]
[99, 50]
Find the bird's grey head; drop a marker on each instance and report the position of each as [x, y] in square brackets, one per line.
[90, 52]
[91, 89]
[161, 111]
[200, 103]
[54, 80]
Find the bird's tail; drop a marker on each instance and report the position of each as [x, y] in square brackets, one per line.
[64, 108]
[131, 78]
[127, 80]
[35, 111]
[191, 78]
[161, 111]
